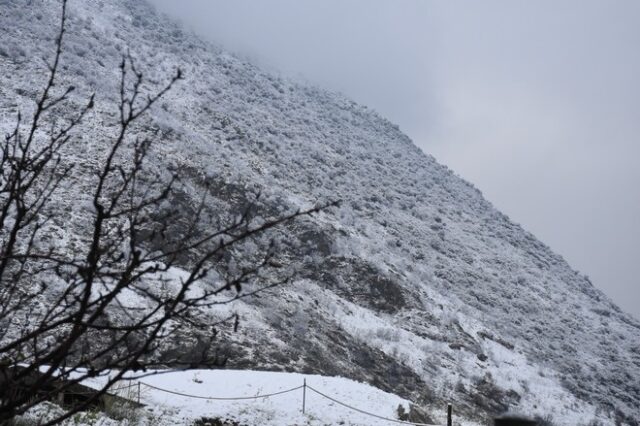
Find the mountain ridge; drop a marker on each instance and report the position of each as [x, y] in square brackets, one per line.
[417, 284]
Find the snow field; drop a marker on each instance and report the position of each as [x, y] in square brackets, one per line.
[277, 410]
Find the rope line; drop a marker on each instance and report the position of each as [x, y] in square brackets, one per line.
[93, 393]
[240, 398]
[124, 387]
[223, 399]
[366, 412]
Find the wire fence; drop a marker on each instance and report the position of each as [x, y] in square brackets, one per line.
[302, 387]
[109, 391]
[366, 412]
[237, 398]
[122, 388]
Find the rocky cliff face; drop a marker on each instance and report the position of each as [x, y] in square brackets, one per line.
[415, 284]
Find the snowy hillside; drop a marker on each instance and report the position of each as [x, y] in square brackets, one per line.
[279, 409]
[261, 398]
[416, 285]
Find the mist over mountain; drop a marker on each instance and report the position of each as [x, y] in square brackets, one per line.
[416, 284]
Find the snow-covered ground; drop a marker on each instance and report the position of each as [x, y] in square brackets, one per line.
[277, 410]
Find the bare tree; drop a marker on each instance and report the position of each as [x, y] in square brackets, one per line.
[62, 313]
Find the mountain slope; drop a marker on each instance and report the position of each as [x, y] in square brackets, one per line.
[416, 284]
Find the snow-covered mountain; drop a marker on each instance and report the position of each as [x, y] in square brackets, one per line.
[416, 284]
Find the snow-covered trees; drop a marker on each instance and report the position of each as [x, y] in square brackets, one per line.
[104, 287]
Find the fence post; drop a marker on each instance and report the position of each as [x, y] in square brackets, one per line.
[449, 419]
[138, 392]
[304, 394]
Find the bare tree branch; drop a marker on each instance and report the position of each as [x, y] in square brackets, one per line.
[55, 300]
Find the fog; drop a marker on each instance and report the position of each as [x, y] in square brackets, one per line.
[536, 103]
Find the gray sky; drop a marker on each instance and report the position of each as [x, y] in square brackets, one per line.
[537, 103]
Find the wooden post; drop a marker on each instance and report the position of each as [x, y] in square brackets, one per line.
[304, 394]
[449, 419]
[138, 392]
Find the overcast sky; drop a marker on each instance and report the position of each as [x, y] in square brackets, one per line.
[537, 103]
